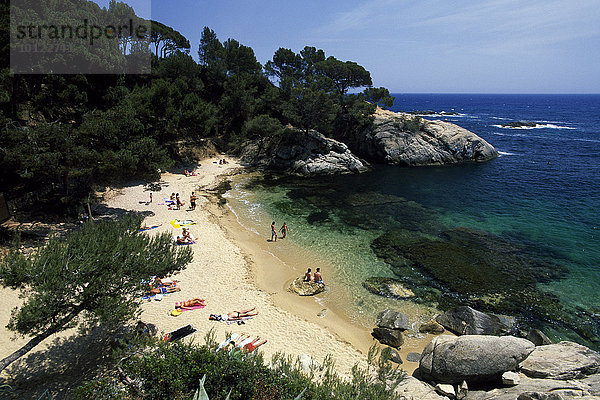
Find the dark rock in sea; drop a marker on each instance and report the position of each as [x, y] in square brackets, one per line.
[466, 321]
[404, 139]
[390, 337]
[431, 327]
[538, 337]
[485, 271]
[387, 287]
[304, 153]
[317, 217]
[393, 320]
[562, 361]
[302, 288]
[519, 124]
[449, 359]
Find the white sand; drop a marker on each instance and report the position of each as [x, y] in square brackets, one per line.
[231, 272]
[220, 273]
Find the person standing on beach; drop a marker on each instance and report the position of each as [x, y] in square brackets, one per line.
[283, 230]
[150, 197]
[192, 201]
[177, 201]
[273, 232]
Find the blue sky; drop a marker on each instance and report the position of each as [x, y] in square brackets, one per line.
[429, 46]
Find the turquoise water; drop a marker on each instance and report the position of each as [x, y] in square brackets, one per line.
[541, 195]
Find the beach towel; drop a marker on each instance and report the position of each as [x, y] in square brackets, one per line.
[179, 333]
[232, 338]
[185, 244]
[178, 223]
[198, 307]
[238, 321]
[148, 229]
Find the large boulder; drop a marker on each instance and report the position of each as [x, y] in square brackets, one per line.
[531, 388]
[302, 288]
[402, 139]
[304, 153]
[465, 320]
[413, 389]
[564, 360]
[393, 320]
[473, 358]
[391, 337]
[388, 287]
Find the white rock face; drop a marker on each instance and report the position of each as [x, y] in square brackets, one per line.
[314, 154]
[564, 360]
[393, 140]
[445, 390]
[510, 378]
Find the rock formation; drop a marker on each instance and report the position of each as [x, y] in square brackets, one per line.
[562, 361]
[394, 138]
[464, 320]
[304, 153]
[404, 139]
[302, 288]
[473, 358]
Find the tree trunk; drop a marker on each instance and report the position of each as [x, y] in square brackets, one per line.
[37, 340]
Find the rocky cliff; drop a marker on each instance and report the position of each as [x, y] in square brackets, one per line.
[304, 153]
[394, 138]
[404, 139]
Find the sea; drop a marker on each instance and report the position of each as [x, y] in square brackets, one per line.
[541, 196]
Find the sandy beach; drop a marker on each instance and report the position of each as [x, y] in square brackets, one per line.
[231, 270]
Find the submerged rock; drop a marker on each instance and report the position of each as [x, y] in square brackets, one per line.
[472, 358]
[538, 337]
[491, 273]
[388, 287]
[431, 327]
[302, 288]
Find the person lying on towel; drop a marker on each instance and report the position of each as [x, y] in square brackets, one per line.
[190, 304]
[234, 315]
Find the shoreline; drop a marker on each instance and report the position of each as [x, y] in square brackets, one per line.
[232, 270]
[272, 273]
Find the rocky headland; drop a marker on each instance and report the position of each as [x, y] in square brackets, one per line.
[393, 138]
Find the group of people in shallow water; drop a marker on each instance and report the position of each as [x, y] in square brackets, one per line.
[316, 278]
[283, 230]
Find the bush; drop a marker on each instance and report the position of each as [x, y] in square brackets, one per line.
[173, 370]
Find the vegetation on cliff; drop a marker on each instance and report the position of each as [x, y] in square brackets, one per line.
[70, 133]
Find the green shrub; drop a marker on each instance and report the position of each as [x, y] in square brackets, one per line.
[173, 370]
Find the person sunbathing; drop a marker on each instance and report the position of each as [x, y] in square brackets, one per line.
[189, 304]
[238, 315]
[187, 235]
[233, 316]
[164, 289]
[255, 344]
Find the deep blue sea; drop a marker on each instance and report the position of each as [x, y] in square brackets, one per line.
[543, 191]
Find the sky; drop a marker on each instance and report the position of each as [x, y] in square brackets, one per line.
[424, 46]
